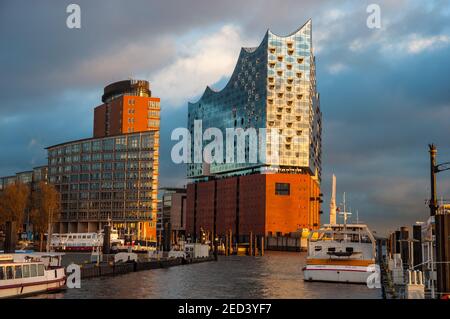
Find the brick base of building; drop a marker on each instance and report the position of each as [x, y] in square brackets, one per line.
[253, 204]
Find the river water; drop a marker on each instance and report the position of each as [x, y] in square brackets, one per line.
[275, 275]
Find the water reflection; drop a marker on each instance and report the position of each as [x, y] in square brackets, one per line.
[276, 275]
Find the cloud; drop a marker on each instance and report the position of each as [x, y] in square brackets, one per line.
[198, 64]
[336, 68]
[33, 142]
[419, 44]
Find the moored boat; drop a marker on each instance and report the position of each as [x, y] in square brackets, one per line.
[28, 274]
[341, 253]
[82, 241]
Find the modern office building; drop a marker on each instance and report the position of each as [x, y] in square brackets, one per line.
[112, 177]
[276, 189]
[31, 178]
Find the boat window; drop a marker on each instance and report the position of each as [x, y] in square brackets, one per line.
[33, 270]
[9, 272]
[26, 271]
[40, 270]
[2, 273]
[18, 272]
[365, 239]
[318, 248]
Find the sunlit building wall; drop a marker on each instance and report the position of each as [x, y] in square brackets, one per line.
[112, 177]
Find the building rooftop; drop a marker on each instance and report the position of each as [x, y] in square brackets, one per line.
[126, 87]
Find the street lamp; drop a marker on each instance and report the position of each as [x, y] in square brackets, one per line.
[442, 225]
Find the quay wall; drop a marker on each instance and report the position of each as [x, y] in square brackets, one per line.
[111, 269]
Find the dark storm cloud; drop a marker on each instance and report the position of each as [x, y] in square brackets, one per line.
[384, 93]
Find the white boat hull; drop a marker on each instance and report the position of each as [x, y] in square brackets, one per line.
[337, 273]
[53, 280]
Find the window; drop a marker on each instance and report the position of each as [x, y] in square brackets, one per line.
[84, 195]
[153, 114]
[107, 175]
[119, 165]
[87, 147]
[9, 272]
[152, 123]
[75, 148]
[152, 104]
[121, 143]
[282, 188]
[18, 272]
[40, 270]
[106, 185]
[107, 166]
[121, 156]
[119, 175]
[146, 141]
[133, 142]
[96, 146]
[2, 273]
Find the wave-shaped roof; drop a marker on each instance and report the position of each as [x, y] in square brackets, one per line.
[246, 52]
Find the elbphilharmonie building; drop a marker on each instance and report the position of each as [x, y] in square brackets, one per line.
[272, 90]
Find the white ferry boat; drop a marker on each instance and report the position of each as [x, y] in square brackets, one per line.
[27, 274]
[82, 241]
[340, 253]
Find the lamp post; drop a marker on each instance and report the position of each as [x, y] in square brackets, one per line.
[442, 226]
[433, 200]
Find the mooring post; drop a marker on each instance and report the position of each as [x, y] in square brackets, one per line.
[262, 246]
[231, 241]
[251, 244]
[226, 244]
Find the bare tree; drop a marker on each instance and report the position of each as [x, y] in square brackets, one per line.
[46, 208]
[13, 203]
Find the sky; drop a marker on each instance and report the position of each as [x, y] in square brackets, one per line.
[384, 92]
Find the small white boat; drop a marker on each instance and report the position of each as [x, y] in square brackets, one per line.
[27, 274]
[341, 253]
